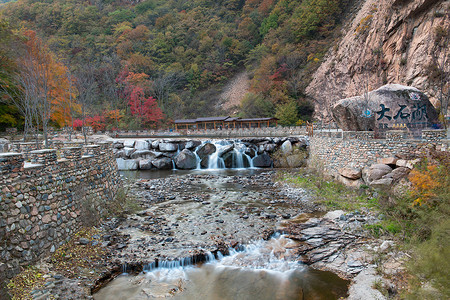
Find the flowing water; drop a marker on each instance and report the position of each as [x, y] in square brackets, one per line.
[261, 270]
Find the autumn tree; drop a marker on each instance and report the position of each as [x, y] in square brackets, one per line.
[144, 108]
[87, 91]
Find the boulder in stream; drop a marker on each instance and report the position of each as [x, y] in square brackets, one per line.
[163, 163]
[205, 150]
[127, 164]
[262, 161]
[168, 147]
[186, 160]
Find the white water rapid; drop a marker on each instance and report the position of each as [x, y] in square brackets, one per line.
[262, 270]
[235, 152]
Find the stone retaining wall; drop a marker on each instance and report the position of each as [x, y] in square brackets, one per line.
[44, 202]
[360, 149]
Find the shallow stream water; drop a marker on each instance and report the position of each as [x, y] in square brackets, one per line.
[258, 270]
[262, 270]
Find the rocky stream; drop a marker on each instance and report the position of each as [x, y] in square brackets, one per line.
[222, 235]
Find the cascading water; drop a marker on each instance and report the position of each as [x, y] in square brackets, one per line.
[228, 154]
[262, 270]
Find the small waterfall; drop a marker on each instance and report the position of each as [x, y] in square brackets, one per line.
[216, 162]
[182, 262]
[234, 149]
[174, 167]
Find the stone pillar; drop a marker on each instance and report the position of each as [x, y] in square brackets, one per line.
[44, 156]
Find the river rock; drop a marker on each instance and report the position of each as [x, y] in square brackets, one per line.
[163, 163]
[295, 160]
[192, 144]
[168, 147]
[141, 145]
[205, 150]
[390, 104]
[388, 161]
[351, 173]
[128, 143]
[270, 148]
[120, 153]
[145, 164]
[250, 152]
[155, 144]
[382, 183]
[142, 154]
[262, 161]
[377, 171]
[128, 151]
[286, 147]
[354, 183]
[399, 173]
[226, 149]
[228, 159]
[126, 164]
[186, 160]
[118, 145]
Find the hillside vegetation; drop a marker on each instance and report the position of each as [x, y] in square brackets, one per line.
[122, 57]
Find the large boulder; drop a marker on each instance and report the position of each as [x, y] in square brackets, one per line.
[129, 143]
[205, 150]
[350, 173]
[192, 144]
[141, 145]
[155, 144]
[186, 160]
[127, 164]
[296, 160]
[145, 164]
[168, 147]
[286, 147]
[142, 154]
[381, 109]
[375, 172]
[118, 145]
[128, 151]
[163, 163]
[263, 161]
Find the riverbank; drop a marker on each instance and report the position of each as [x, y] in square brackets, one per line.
[196, 215]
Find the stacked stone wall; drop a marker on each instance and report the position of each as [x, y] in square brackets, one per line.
[359, 149]
[44, 202]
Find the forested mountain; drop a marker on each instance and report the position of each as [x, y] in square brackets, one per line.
[125, 60]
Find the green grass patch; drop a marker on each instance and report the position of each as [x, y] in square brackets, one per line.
[333, 195]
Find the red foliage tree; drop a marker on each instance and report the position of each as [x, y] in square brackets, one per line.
[146, 109]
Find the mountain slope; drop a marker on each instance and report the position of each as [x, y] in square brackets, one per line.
[387, 41]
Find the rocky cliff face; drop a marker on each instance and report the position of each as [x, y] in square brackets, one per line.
[388, 41]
